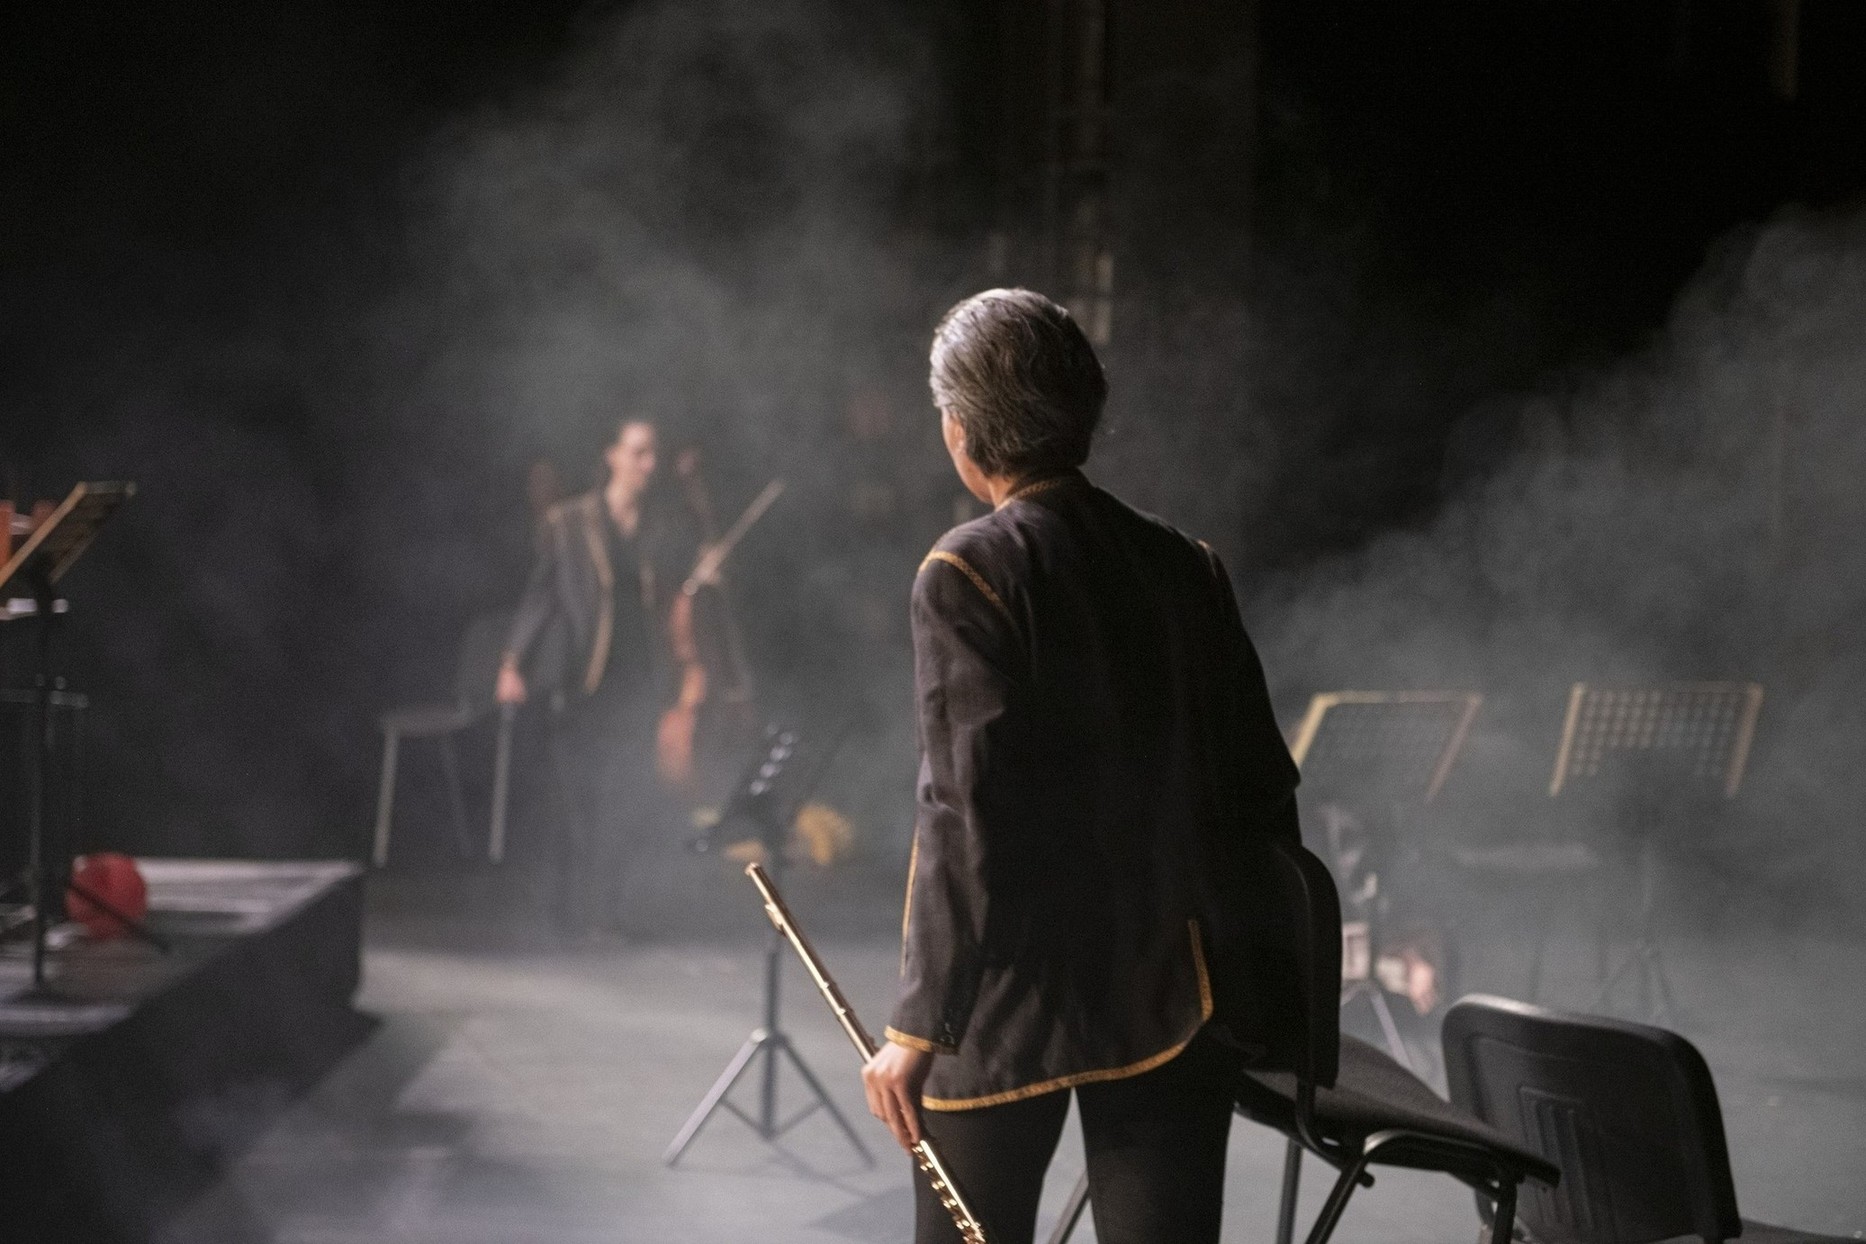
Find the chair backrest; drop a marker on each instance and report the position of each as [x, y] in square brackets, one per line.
[1629, 1112]
[1296, 960]
[476, 668]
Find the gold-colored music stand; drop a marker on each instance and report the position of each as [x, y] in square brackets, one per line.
[1405, 740]
[1662, 744]
[1394, 748]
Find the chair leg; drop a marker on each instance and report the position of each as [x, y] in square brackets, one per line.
[1337, 1201]
[385, 797]
[1292, 1181]
[1503, 1215]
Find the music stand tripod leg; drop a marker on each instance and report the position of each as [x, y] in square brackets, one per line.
[1655, 985]
[770, 1040]
[1643, 960]
[715, 1095]
[1383, 1015]
[816, 1087]
[1072, 1211]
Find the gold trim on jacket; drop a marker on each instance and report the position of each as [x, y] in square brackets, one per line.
[605, 599]
[1080, 1077]
[593, 512]
[907, 906]
[978, 580]
[915, 1043]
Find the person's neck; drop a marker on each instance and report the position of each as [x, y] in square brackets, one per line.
[1001, 488]
[998, 488]
[624, 505]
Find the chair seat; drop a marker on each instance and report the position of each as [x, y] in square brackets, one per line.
[1373, 1093]
[422, 720]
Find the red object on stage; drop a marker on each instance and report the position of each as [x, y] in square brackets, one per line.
[116, 881]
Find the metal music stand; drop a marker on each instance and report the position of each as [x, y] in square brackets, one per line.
[765, 799]
[1668, 744]
[54, 546]
[1395, 749]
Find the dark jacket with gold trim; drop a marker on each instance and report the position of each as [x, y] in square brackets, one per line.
[1097, 746]
[563, 629]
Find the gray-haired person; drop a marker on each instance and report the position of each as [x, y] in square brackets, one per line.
[1097, 743]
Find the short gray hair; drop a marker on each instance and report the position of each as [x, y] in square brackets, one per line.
[1023, 381]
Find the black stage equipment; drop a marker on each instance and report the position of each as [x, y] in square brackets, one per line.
[1384, 750]
[767, 797]
[1662, 749]
[55, 545]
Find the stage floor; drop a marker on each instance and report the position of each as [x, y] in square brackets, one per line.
[519, 1092]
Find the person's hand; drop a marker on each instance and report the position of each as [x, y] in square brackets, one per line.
[1421, 982]
[511, 686]
[706, 567]
[673, 745]
[893, 1079]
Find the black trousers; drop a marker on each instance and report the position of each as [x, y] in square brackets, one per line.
[603, 754]
[1155, 1145]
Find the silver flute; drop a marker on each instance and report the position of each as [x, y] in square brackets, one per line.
[924, 1154]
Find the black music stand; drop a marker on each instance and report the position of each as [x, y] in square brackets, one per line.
[1666, 745]
[769, 802]
[53, 548]
[1394, 749]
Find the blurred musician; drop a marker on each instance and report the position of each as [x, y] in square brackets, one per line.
[592, 629]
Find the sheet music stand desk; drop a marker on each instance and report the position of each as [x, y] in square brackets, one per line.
[1394, 749]
[1665, 744]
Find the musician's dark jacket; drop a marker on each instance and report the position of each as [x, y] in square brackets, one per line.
[565, 627]
[1098, 755]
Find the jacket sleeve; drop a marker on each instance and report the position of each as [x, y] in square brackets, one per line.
[1267, 777]
[536, 603]
[967, 658]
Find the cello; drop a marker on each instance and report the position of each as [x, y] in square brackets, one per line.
[703, 632]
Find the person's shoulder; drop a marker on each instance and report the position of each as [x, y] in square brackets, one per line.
[572, 509]
[1160, 538]
[981, 552]
[981, 535]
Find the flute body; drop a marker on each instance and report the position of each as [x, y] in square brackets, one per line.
[925, 1156]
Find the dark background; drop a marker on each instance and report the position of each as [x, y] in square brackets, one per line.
[246, 261]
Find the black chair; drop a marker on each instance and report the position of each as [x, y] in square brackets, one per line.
[1629, 1111]
[1351, 1104]
[1342, 1099]
[476, 670]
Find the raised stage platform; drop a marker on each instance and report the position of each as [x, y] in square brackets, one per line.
[114, 1082]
